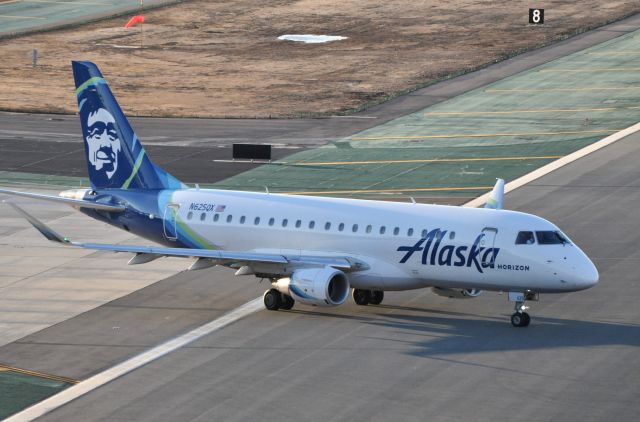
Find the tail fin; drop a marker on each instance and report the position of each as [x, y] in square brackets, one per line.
[115, 157]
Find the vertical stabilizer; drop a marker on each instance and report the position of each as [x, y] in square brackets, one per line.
[115, 157]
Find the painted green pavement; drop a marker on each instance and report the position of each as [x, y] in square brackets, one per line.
[457, 148]
[21, 16]
[19, 390]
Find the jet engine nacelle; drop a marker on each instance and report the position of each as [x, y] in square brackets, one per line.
[456, 293]
[316, 286]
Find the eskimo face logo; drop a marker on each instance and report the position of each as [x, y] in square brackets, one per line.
[103, 144]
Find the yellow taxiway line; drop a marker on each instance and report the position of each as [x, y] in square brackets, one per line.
[593, 69]
[333, 192]
[614, 53]
[482, 135]
[88, 3]
[4, 368]
[542, 110]
[20, 17]
[435, 160]
[625, 88]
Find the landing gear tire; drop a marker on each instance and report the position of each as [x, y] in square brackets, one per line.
[361, 297]
[520, 319]
[376, 297]
[272, 299]
[287, 302]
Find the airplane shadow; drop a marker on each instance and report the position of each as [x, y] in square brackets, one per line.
[437, 333]
[441, 334]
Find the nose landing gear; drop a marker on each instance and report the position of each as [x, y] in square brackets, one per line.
[520, 318]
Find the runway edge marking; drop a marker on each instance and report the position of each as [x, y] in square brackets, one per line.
[98, 380]
[554, 165]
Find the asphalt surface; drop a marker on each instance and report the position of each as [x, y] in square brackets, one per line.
[26, 137]
[416, 357]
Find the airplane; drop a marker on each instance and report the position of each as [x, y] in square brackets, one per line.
[314, 250]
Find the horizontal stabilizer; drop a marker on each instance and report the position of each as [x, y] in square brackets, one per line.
[73, 202]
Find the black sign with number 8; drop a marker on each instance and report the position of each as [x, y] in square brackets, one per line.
[536, 16]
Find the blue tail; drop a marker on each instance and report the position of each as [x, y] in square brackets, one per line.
[115, 157]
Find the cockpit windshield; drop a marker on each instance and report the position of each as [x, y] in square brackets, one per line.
[525, 238]
[551, 238]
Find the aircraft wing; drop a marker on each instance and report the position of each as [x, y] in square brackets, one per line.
[73, 202]
[262, 263]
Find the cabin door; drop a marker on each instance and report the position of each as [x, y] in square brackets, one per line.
[488, 241]
[169, 222]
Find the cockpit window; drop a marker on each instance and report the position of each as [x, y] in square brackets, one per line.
[551, 238]
[525, 238]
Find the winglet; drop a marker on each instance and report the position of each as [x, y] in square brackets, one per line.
[495, 198]
[40, 226]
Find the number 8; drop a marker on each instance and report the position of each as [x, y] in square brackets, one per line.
[536, 16]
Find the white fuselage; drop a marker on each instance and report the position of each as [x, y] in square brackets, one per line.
[406, 245]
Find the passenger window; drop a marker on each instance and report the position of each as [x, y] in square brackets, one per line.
[312, 224]
[229, 218]
[369, 228]
[190, 215]
[271, 221]
[354, 228]
[396, 231]
[551, 238]
[410, 232]
[525, 238]
[298, 224]
[242, 219]
[382, 229]
[341, 227]
[216, 217]
[203, 216]
[256, 221]
[284, 222]
[452, 235]
[425, 232]
[327, 225]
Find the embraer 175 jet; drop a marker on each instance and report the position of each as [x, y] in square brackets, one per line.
[314, 250]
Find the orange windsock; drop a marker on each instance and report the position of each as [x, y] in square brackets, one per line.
[134, 20]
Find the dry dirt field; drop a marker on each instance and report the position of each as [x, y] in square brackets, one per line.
[223, 59]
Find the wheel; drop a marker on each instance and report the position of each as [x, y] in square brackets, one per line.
[361, 297]
[376, 297]
[287, 302]
[520, 319]
[272, 299]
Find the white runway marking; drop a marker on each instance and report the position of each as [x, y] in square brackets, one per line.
[536, 174]
[90, 384]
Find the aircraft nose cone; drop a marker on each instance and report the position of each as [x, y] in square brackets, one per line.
[587, 275]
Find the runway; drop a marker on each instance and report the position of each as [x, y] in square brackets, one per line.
[416, 356]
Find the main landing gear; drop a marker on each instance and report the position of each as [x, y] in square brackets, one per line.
[520, 318]
[367, 297]
[274, 300]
